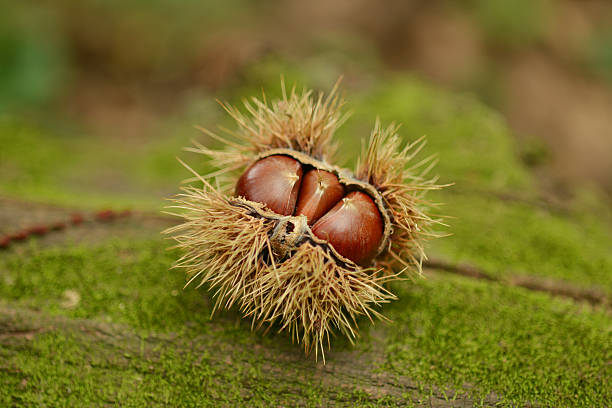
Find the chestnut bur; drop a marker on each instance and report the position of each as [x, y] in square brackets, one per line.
[302, 242]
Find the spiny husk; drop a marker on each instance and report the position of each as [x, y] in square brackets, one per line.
[309, 294]
[387, 166]
[312, 292]
[298, 121]
[222, 244]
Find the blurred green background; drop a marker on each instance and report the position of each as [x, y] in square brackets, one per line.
[98, 98]
[133, 71]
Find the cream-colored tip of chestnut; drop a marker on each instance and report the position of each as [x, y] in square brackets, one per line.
[290, 238]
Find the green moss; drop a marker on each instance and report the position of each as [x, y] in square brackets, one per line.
[79, 171]
[473, 144]
[513, 238]
[524, 346]
[454, 334]
[127, 283]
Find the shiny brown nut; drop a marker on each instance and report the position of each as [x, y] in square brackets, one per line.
[354, 227]
[273, 181]
[319, 192]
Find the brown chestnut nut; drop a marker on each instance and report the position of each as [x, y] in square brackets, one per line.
[319, 192]
[273, 181]
[354, 227]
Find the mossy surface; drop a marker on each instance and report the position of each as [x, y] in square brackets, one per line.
[49, 165]
[135, 337]
[495, 213]
[466, 338]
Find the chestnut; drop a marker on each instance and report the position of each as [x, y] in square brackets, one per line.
[354, 227]
[319, 192]
[273, 181]
[351, 224]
